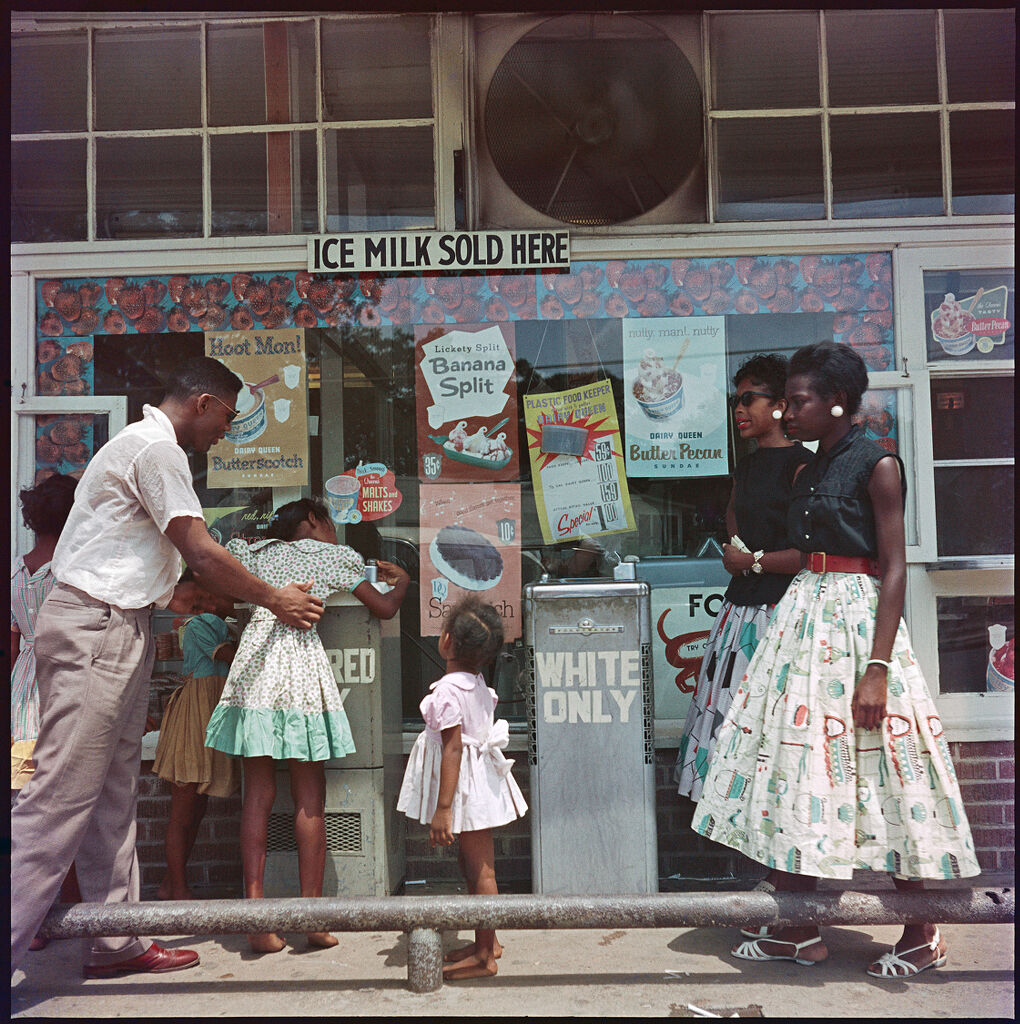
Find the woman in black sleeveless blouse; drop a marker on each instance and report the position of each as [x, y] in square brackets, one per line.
[833, 757]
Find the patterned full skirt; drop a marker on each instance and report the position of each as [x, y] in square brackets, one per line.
[731, 643]
[281, 698]
[792, 784]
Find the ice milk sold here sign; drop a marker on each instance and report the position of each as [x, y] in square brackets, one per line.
[438, 250]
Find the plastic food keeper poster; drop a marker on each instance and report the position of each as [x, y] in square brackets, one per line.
[267, 444]
[576, 463]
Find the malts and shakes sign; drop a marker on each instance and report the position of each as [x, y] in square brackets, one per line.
[439, 250]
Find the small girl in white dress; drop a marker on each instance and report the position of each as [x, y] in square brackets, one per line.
[457, 780]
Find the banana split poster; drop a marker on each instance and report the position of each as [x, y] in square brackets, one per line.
[465, 381]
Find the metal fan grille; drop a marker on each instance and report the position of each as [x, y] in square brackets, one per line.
[594, 120]
[343, 833]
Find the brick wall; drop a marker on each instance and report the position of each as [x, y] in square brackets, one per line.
[985, 771]
[986, 781]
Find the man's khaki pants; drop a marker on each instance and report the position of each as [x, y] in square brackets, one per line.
[93, 668]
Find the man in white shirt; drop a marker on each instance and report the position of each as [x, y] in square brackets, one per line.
[119, 556]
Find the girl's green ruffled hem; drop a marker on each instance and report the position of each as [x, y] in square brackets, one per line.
[280, 734]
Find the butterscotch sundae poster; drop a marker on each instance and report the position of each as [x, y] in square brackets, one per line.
[470, 544]
[466, 402]
[267, 444]
[674, 377]
[576, 463]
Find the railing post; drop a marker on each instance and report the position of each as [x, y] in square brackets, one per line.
[425, 960]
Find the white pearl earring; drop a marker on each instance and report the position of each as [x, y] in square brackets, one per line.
[777, 414]
[837, 410]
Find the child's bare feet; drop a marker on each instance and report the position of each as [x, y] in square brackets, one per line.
[479, 965]
[266, 942]
[322, 940]
[456, 955]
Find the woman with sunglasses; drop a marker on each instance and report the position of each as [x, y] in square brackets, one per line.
[833, 757]
[762, 487]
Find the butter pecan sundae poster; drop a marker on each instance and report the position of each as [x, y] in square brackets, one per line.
[576, 463]
[466, 402]
[267, 443]
[470, 544]
[674, 381]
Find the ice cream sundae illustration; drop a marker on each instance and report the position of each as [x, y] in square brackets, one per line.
[951, 324]
[659, 389]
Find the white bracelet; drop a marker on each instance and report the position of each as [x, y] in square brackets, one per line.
[878, 661]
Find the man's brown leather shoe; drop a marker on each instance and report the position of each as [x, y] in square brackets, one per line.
[155, 960]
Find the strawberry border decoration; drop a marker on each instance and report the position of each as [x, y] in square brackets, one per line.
[856, 288]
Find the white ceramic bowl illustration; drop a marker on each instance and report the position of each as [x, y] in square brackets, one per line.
[251, 421]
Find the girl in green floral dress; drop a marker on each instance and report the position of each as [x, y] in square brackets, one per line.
[281, 702]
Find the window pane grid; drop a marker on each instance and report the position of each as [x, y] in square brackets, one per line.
[94, 137]
[978, 197]
[829, 116]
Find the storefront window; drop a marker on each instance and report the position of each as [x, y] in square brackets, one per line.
[240, 177]
[376, 69]
[976, 636]
[980, 55]
[550, 436]
[148, 187]
[769, 169]
[261, 74]
[983, 147]
[147, 78]
[49, 74]
[881, 57]
[48, 192]
[764, 60]
[886, 165]
[382, 179]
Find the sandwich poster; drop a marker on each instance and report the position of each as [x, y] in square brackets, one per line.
[470, 544]
[467, 402]
[267, 444]
[674, 382]
[576, 463]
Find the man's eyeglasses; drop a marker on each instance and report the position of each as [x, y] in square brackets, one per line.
[747, 397]
[233, 412]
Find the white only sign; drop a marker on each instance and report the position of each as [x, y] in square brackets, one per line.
[439, 250]
[467, 371]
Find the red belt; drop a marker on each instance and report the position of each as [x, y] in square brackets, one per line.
[819, 561]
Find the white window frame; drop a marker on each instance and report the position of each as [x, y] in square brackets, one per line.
[966, 716]
[23, 413]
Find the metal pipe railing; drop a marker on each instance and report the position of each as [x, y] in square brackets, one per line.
[424, 918]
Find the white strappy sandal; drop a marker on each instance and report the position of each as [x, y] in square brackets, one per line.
[752, 951]
[892, 964]
[763, 931]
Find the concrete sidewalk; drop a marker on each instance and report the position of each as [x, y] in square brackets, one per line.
[551, 973]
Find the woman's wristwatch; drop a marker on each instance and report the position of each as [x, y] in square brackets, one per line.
[756, 564]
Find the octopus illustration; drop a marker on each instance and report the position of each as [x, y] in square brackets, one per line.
[689, 666]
